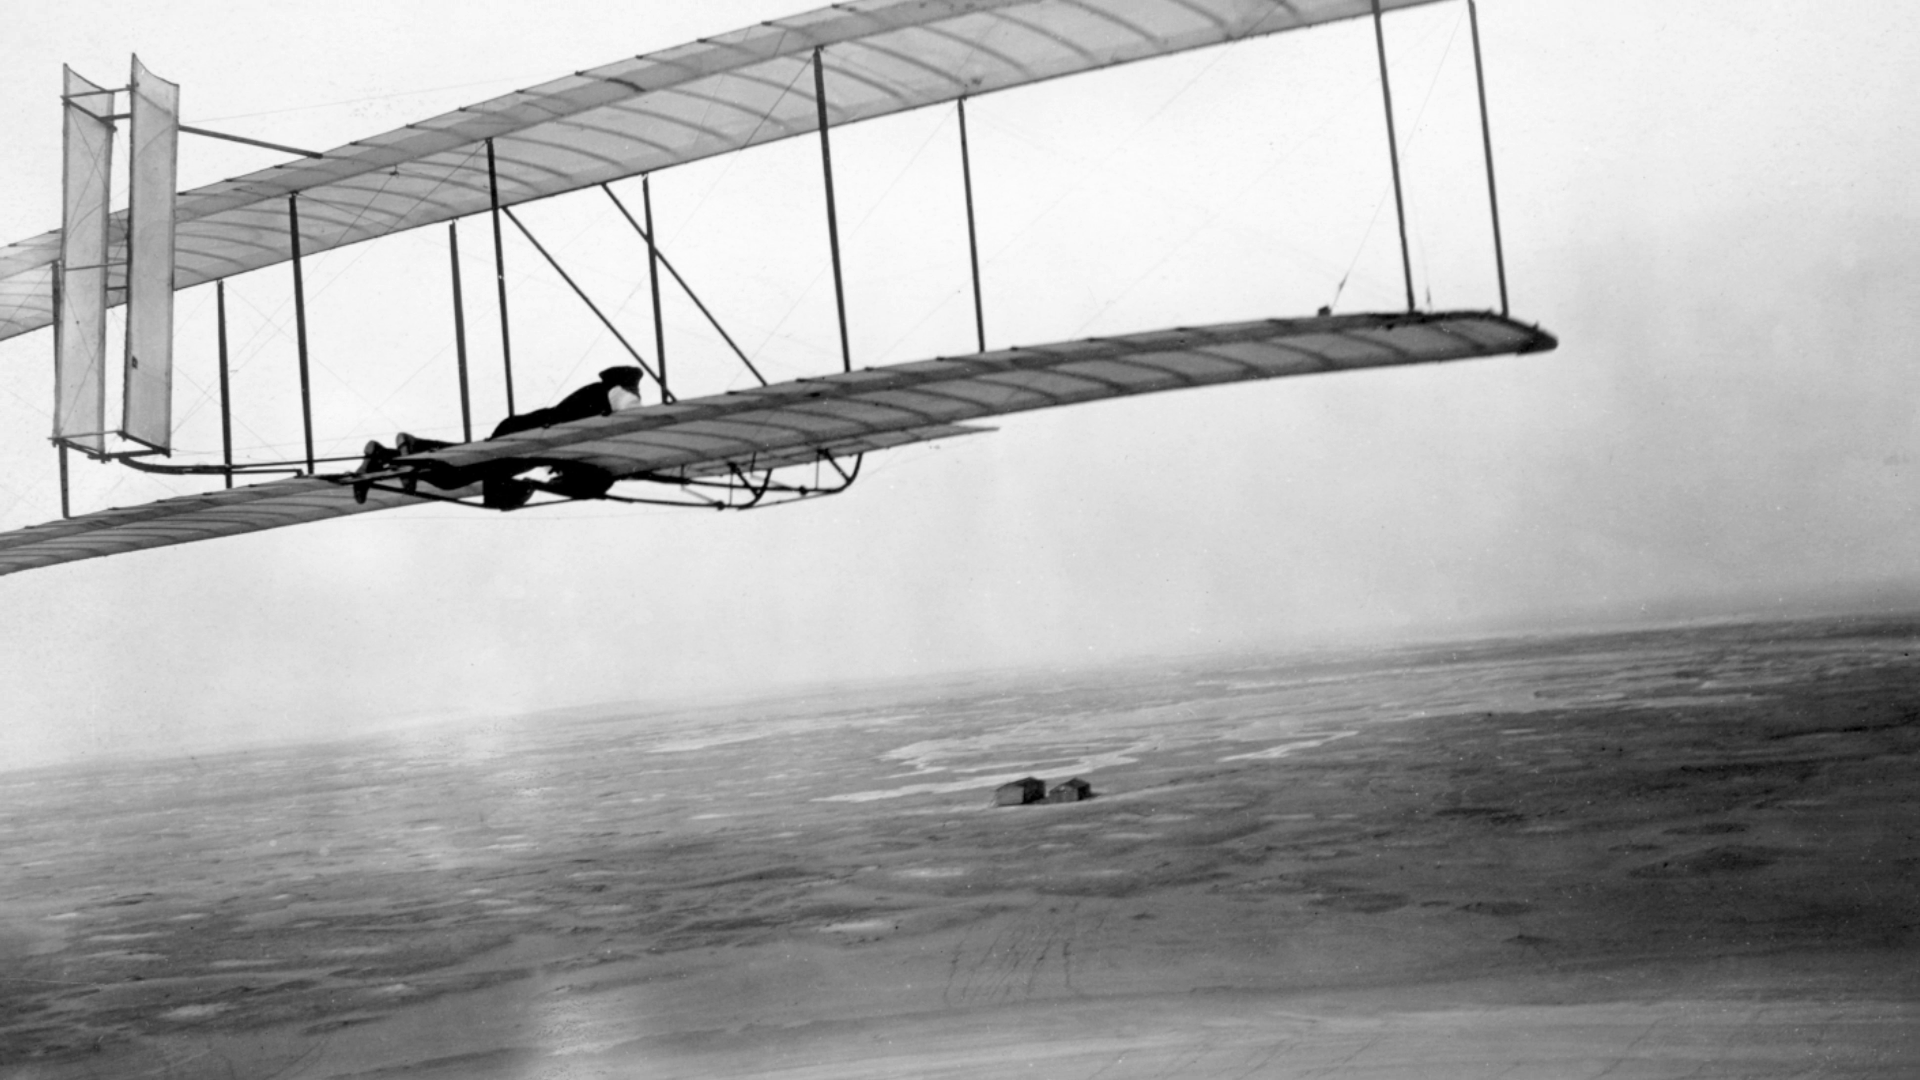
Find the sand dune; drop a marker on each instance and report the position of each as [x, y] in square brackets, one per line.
[1668, 854]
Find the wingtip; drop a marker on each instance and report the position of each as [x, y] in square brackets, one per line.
[1542, 341]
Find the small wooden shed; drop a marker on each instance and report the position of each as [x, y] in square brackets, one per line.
[1071, 791]
[1019, 792]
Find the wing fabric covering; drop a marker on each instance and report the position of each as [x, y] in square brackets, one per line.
[80, 344]
[650, 112]
[148, 415]
[186, 519]
[790, 423]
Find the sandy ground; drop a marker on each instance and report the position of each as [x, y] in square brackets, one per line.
[1689, 853]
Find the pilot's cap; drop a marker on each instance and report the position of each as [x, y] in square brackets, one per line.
[627, 378]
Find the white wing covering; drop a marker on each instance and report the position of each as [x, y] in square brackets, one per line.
[792, 423]
[80, 344]
[650, 112]
[186, 519]
[155, 135]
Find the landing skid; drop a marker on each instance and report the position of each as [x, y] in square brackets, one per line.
[761, 488]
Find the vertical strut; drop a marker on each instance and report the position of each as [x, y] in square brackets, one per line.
[653, 279]
[973, 243]
[500, 274]
[1486, 141]
[460, 332]
[300, 324]
[1393, 153]
[58, 272]
[833, 222]
[226, 397]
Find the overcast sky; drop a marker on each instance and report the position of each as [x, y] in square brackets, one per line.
[1710, 203]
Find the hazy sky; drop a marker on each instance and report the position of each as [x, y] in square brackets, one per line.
[1711, 203]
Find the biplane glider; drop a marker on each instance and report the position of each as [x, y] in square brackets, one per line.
[791, 77]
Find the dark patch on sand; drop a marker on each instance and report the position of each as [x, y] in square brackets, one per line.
[1727, 859]
[1361, 903]
[1708, 828]
[1504, 909]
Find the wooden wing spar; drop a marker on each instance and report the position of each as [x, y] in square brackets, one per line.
[650, 112]
[809, 419]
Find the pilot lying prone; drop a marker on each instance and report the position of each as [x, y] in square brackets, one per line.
[618, 388]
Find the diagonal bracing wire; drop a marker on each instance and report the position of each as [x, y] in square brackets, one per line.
[695, 297]
[591, 306]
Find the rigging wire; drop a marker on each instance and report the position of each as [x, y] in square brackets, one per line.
[601, 332]
[1216, 210]
[937, 129]
[851, 65]
[1073, 189]
[38, 410]
[262, 442]
[19, 495]
[247, 348]
[802, 68]
[657, 257]
[10, 313]
[732, 158]
[1412, 136]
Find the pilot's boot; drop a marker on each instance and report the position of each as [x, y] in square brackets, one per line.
[414, 444]
[404, 444]
[375, 459]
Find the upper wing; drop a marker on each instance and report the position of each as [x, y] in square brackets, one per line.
[666, 108]
[852, 412]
